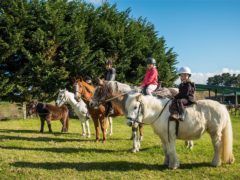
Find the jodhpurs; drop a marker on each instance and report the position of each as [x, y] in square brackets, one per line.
[178, 105]
[147, 90]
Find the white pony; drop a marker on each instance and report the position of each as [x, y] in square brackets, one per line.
[80, 108]
[205, 115]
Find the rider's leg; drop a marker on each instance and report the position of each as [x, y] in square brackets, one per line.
[150, 88]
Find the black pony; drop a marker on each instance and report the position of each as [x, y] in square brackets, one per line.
[49, 112]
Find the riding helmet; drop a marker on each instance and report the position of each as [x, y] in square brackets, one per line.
[185, 70]
[151, 60]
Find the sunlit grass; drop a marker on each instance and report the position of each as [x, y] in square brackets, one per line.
[27, 154]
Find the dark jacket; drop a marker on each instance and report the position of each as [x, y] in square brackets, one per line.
[186, 91]
[110, 75]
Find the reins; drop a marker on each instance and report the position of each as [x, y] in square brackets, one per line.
[115, 97]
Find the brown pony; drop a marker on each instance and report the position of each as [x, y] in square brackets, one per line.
[49, 112]
[85, 91]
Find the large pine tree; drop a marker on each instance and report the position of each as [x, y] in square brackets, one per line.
[44, 44]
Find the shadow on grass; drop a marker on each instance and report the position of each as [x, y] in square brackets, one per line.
[63, 150]
[103, 166]
[44, 139]
[17, 131]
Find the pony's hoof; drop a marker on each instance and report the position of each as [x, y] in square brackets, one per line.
[89, 136]
[216, 164]
[83, 135]
[173, 167]
[134, 150]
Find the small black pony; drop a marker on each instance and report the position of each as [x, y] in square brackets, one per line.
[49, 112]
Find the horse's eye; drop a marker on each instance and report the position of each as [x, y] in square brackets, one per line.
[135, 107]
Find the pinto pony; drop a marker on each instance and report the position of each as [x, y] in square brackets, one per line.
[85, 91]
[49, 112]
[80, 108]
[204, 116]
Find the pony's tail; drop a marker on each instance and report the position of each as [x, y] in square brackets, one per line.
[227, 143]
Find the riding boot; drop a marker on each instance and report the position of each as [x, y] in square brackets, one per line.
[174, 116]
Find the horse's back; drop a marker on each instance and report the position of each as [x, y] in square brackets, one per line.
[54, 111]
[204, 115]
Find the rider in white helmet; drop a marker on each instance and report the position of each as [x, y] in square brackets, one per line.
[185, 96]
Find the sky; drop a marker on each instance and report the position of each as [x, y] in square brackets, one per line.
[204, 33]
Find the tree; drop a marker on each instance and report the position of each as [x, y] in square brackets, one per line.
[225, 79]
[44, 44]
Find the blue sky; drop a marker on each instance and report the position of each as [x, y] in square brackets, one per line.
[204, 33]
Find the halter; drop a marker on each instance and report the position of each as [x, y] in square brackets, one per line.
[142, 107]
[63, 99]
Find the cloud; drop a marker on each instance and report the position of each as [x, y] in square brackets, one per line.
[201, 78]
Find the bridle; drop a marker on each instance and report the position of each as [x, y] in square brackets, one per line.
[63, 99]
[141, 109]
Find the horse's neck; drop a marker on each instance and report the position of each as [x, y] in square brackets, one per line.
[87, 95]
[71, 100]
[88, 87]
[154, 107]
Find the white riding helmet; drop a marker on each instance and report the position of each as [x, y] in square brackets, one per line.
[186, 70]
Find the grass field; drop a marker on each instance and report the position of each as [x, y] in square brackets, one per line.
[27, 154]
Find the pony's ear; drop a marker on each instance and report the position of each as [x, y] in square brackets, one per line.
[139, 97]
[100, 82]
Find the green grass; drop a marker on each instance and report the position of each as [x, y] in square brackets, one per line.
[27, 154]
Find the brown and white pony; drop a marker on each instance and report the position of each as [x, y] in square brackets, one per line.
[116, 92]
[85, 91]
[49, 112]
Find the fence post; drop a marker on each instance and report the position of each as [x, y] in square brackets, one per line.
[24, 110]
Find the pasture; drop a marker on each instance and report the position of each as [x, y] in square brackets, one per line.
[27, 154]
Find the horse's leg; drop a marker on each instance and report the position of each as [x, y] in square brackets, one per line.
[217, 145]
[49, 125]
[83, 128]
[97, 128]
[141, 131]
[42, 125]
[132, 135]
[110, 125]
[65, 124]
[136, 143]
[189, 144]
[88, 128]
[170, 142]
[166, 156]
[61, 120]
[171, 151]
[104, 123]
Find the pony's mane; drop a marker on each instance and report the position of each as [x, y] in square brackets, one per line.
[117, 87]
[150, 101]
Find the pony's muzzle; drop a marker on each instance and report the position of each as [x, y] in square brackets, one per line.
[129, 122]
[93, 104]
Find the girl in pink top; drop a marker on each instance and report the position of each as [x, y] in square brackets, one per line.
[150, 80]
